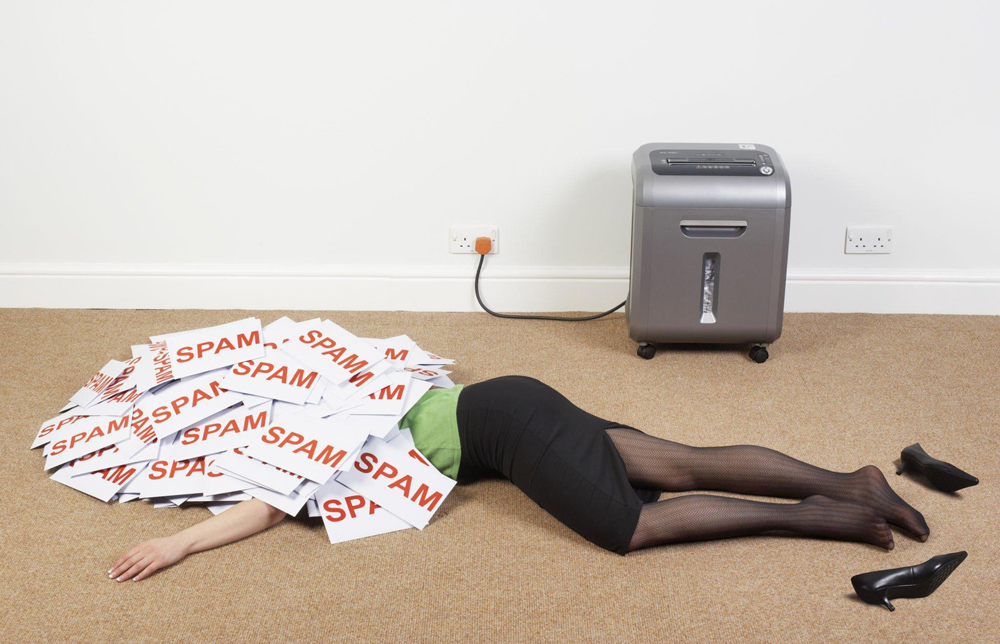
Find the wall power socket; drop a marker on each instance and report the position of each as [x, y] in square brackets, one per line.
[462, 239]
[868, 240]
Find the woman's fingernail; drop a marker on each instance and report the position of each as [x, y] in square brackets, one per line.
[119, 579]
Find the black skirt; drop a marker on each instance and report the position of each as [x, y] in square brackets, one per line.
[556, 453]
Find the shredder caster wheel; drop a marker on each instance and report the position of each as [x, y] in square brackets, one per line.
[646, 351]
[758, 354]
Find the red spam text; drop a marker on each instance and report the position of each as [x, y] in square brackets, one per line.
[415, 455]
[316, 340]
[110, 449]
[51, 427]
[200, 350]
[351, 504]
[127, 396]
[116, 386]
[266, 371]
[142, 426]
[366, 464]
[280, 437]
[99, 381]
[359, 379]
[240, 452]
[162, 367]
[163, 413]
[423, 372]
[250, 421]
[119, 475]
[180, 469]
[84, 437]
[388, 393]
[398, 355]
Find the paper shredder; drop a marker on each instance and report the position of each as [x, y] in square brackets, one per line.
[709, 245]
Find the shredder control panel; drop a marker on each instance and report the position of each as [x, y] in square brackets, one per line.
[743, 162]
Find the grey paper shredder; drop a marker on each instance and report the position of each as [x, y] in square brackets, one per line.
[709, 245]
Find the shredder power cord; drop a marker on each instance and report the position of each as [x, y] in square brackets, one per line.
[483, 246]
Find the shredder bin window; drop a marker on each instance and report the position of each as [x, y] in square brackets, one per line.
[709, 283]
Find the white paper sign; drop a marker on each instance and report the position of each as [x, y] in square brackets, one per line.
[282, 410]
[277, 375]
[278, 332]
[316, 393]
[389, 400]
[442, 381]
[126, 380]
[392, 434]
[258, 473]
[85, 438]
[120, 403]
[350, 390]
[178, 477]
[307, 446]
[97, 383]
[334, 352]
[130, 450]
[102, 484]
[426, 373]
[154, 368]
[290, 504]
[56, 427]
[403, 486]
[377, 426]
[360, 384]
[201, 350]
[232, 428]
[321, 410]
[232, 497]
[398, 350]
[181, 405]
[348, 515]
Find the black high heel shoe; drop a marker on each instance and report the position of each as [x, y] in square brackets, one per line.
[944, 476]
[880, 586]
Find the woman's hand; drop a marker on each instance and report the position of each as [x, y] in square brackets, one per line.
[247, 518]
[148, 557]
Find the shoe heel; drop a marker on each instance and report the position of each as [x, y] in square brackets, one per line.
[883, 598]
[871, 595]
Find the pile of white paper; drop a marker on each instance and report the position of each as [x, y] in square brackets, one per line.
[295, 414]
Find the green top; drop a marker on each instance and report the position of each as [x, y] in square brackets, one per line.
[433, 422]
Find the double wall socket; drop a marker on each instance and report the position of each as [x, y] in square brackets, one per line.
[868, 239]
[462, 239]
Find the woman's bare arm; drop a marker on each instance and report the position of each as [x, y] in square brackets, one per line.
[247, 518]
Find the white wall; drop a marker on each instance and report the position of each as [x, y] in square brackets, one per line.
[313, 155]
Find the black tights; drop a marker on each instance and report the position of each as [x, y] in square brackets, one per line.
[854, 506]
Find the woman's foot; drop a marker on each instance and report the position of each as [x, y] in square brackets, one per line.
[822, 516]
[870, 488]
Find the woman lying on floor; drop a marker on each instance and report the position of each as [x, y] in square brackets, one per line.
[602, 479]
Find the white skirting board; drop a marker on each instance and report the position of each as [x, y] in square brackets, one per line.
[450, 288]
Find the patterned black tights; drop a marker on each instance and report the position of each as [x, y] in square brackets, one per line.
[853, 506]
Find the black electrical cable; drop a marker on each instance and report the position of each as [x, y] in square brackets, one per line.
[557, 318]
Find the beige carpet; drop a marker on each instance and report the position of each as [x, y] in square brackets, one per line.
[839, 391]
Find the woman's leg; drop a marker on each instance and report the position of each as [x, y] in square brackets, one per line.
[748, 469]
[700, 517]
